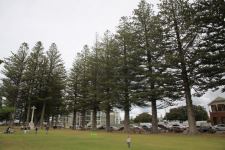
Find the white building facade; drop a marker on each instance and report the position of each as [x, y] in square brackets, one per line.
[67, 121]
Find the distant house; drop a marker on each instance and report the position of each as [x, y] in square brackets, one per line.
[217, 111]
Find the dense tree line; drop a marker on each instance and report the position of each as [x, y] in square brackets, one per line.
[152, 59]
[33, 78]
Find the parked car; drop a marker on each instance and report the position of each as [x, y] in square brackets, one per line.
[149, 129]
[163, 127]
[206, 129]
[176, 128]
[137, 129]
[100, 127]
[219, 127]
[114, 128]
[120, 128]
[146, 128]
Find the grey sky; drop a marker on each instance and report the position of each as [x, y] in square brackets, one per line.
[69, 23]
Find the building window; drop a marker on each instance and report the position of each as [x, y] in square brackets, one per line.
[221, 107]
[214, 120]
[214, 108]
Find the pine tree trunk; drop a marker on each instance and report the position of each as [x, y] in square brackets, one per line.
[64, 121]
[126, 105]
[74, 107]
[29, 106]
[48, 121]
[107, 119]
[83, 119]
[74, 119]
[21, 116]
[94, 119]
[190, 111]
[12, 117]
[28, 113]
[13, 114]
[42, 114]
[154, 117]
[127, 119]
[56, 120]
[52, 121]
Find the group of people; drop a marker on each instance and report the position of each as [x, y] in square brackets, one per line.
[46, 129]
[25, 129]
[36, 129]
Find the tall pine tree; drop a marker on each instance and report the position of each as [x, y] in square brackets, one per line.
[129, 63]
[149, 37]
[14, 68]
[177, 17]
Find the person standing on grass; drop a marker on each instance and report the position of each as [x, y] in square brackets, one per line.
[36, 130]
[7, 131]
[46, 129]
[25, 130]
[128, 141]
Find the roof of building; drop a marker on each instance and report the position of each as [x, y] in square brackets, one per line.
[217, 100]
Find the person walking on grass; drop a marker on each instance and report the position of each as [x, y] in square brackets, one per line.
[46, 129]
[7, 131]
[36, 130]
[25, 130]
[129, 141]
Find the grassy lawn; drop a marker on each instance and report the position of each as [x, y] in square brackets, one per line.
[87, 140]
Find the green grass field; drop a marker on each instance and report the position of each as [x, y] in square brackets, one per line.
[87, 140]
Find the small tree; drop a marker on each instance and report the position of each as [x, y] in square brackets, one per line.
[143, 117]
[5, 113]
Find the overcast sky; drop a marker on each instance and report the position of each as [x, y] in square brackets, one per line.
[69, 23]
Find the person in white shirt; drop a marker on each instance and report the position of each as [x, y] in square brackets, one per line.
[128, 141]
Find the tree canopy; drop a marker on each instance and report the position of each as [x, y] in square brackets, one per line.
[143, 118]
[180, 114]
